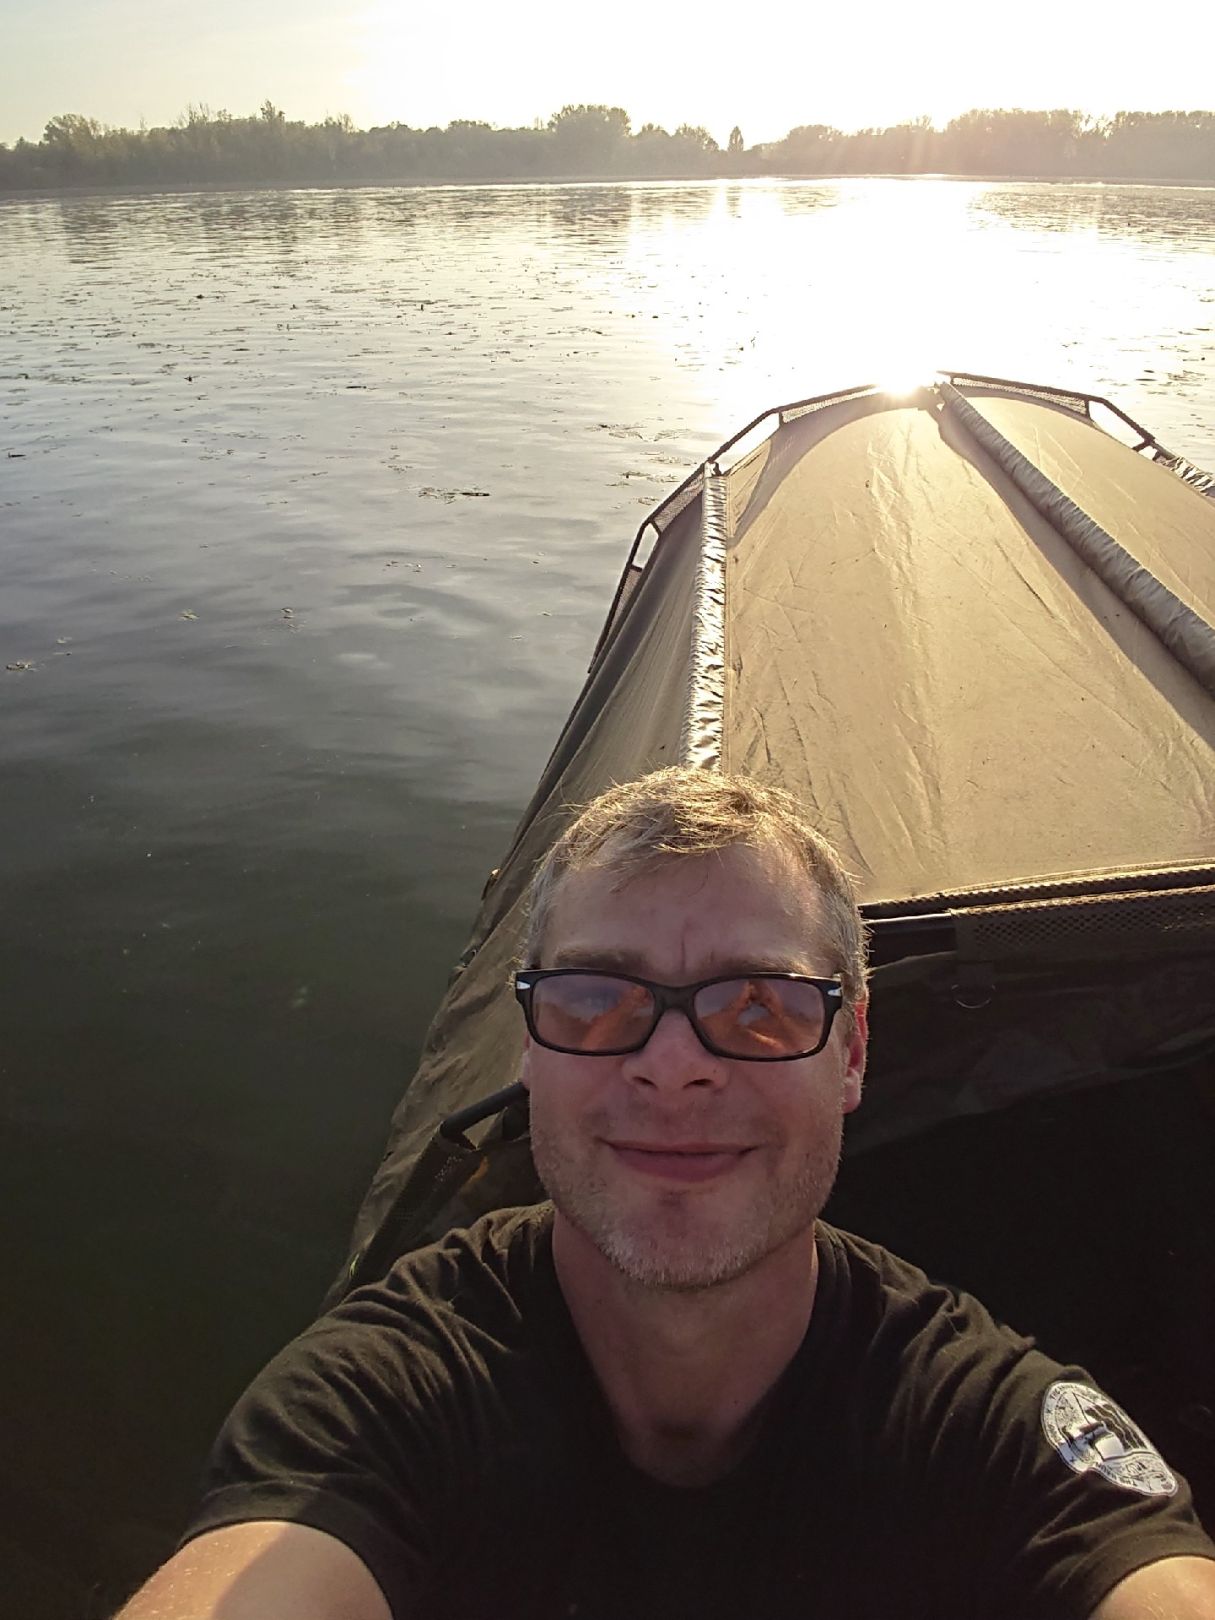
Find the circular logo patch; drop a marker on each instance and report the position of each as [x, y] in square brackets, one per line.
[1092, 1433]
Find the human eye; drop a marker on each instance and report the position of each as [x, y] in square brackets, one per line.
[590, 995]
[590, 1011]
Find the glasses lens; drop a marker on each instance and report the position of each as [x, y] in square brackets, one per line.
[762, 1017]
[592, 1012]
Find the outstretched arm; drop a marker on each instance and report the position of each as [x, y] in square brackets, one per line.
[1171, 1589]
[264, 1570]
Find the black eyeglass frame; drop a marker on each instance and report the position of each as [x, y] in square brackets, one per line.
[679, 997]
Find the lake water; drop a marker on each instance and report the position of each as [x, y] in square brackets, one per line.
[312, 505]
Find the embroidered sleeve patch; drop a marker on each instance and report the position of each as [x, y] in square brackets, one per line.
[1093, 1434]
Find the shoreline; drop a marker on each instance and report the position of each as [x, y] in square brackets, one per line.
[154, 188]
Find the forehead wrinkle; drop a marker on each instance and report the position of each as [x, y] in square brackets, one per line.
[663, 931]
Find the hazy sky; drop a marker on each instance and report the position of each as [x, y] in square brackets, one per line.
[765, 68]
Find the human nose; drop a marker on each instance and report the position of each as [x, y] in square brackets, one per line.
[674, 1057]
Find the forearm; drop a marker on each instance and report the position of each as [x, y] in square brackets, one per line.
[1172, 1589]
[261, 1571]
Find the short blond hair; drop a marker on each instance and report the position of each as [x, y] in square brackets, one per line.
[686, 811]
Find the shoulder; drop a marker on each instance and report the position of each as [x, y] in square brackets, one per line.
[934, 1357]
[955, 1387]
[1055, 1492]
[451, 1331]
[897, 1311]
[506, 1253]
[386, 1422]
[502, 1256]
[476, 1295]
[874, 1268]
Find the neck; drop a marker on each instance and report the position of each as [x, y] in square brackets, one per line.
[687, 1373]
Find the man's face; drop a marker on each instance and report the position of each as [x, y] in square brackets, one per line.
[682, 1168]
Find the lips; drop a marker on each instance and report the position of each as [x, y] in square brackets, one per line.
[687, 1162]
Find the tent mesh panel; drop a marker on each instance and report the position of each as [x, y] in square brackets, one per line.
[1039, 391]
[663, 516]
[791, 413]
[1118, 925]
[1081, 887]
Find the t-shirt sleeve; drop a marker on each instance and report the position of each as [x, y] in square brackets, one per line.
[1054, 1492]
[338, 1433]
[1084, 1498]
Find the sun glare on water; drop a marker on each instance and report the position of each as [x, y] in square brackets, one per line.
[799, 288]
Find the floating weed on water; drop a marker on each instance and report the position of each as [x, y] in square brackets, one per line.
[620, 430]
[19, 666]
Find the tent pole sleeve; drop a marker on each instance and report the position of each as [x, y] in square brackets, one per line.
[700, 741]
[1187, 636]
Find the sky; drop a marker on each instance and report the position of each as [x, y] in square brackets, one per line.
[765, 69]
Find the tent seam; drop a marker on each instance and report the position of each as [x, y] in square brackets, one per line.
[700, 741]
[1187, 635]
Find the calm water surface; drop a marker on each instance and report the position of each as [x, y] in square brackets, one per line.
[311, 507]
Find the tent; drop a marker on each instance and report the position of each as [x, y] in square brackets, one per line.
[971, 629]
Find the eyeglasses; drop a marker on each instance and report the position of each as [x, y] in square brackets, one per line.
[762, 1017]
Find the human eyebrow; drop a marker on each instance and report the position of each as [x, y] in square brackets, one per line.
[737, 967]
[591, 957]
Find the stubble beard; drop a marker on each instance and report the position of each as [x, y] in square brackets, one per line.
[670, 1240]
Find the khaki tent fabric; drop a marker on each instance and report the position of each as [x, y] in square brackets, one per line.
[933, 670]
[1142, 505]
[871, 611]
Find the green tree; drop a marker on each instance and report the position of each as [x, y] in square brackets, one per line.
[697, 138]
[76, 148]
[809, 149]
[74, 131]
[206, 146]
[650, 151]
[694, 149]
[588, 139]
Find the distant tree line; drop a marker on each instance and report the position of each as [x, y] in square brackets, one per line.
[205, 147]
[1129, 146]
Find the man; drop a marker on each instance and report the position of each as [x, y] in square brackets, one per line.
[677, 1392]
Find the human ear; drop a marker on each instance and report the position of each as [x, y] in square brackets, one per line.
[856, 1046]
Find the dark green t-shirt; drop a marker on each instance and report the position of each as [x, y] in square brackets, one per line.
[446, 1425]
